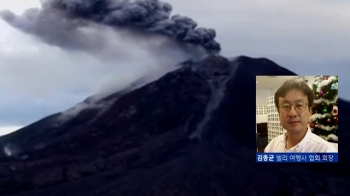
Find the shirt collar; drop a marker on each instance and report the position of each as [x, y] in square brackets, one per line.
[307, 135]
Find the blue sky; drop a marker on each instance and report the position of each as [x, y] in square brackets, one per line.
[307, 37]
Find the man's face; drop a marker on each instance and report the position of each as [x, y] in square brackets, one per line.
[293, 121]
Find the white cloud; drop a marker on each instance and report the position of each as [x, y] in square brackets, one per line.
[7, 130]
[18, 6]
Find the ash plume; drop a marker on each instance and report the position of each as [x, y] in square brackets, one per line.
[152, 15]
[132, 40]
[67, 18]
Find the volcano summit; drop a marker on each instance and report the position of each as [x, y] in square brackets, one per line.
[142, 142]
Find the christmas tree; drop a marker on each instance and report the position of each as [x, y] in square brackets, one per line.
[324, 121]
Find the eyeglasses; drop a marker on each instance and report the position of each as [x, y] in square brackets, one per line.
[299, 107]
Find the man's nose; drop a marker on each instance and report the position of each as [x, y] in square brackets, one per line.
[292, 111]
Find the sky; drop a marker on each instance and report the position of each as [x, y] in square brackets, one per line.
[38, 79]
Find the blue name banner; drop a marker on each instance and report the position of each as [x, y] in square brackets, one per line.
[296, 157]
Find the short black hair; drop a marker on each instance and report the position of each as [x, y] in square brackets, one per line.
[294, 84]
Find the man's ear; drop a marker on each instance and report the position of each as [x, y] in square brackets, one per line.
[310, 109]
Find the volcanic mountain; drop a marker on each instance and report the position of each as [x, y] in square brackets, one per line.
[191, 132]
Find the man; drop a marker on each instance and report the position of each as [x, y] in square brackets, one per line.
[293, 101]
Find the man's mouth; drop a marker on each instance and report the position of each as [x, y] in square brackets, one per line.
[293, 122]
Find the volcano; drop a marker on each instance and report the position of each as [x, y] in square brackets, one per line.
[191, 132]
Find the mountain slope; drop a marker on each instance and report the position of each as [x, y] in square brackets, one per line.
[189, 133]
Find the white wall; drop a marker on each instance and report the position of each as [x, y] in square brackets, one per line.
[261, 118]
[273, 90]
[310, 81]
[261, 95]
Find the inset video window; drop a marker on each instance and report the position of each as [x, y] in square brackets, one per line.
[297, 118]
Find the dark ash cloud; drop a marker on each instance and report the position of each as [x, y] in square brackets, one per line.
[62, 22]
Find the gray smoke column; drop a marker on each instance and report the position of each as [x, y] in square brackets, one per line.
[150, 15]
